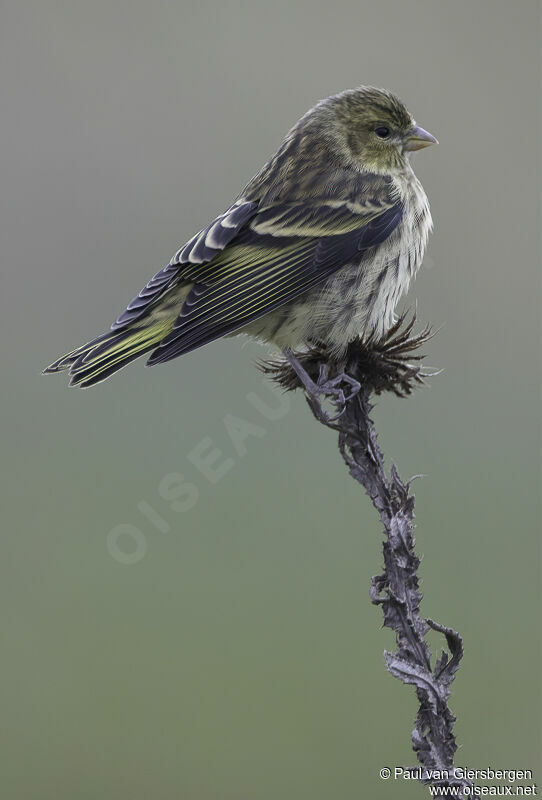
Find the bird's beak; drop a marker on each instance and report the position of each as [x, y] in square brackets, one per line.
[418, 138]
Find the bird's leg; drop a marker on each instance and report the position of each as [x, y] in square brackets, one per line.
[326, 386]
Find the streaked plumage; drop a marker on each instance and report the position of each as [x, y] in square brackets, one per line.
[317, 248]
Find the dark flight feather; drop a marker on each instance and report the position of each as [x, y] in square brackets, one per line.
[201, 248]
[259, 272]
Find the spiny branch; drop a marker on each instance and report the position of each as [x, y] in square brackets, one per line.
[392, 365]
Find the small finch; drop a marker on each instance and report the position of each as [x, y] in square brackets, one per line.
[316, 250]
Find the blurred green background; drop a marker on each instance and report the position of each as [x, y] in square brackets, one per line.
[230, 650]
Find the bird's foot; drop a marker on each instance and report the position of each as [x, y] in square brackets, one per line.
[339, 390]
[392, 364]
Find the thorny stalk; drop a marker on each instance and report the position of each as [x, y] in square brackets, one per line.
[392, 365]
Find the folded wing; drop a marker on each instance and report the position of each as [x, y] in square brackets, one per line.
[281, 252]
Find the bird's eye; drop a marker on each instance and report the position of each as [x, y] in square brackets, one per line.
[382, 132]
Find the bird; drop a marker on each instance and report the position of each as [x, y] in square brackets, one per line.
[316, 250]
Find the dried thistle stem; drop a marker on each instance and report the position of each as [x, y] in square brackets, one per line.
[392, 365]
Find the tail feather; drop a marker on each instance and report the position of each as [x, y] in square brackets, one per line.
[101, 357]
[66, 361]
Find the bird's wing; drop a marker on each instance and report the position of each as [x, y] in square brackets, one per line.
[278, 253]
[198, 250]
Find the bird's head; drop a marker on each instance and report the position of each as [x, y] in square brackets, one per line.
[371, 128]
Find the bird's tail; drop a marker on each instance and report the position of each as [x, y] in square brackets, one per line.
[100, 358]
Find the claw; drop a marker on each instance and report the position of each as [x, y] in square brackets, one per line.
[324, 386]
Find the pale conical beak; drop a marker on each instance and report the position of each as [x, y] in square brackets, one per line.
[418, 138]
